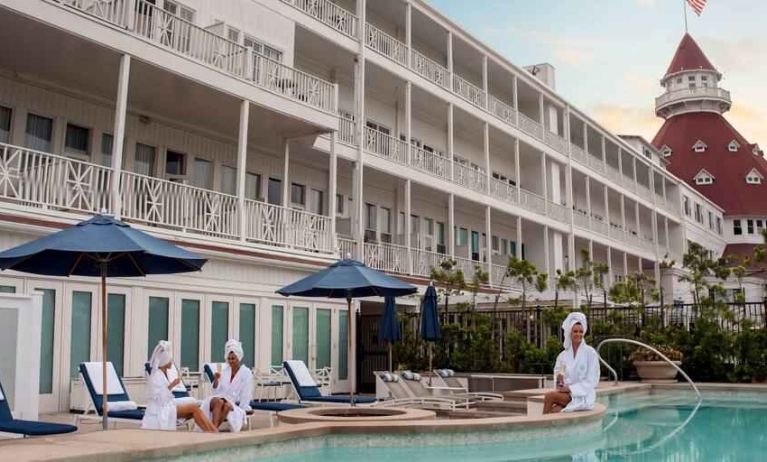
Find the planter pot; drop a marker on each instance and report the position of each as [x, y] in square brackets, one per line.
[656, 371]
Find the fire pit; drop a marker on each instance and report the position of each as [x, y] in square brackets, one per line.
[354, 414]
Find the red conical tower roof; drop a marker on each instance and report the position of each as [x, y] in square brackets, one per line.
[689, 57]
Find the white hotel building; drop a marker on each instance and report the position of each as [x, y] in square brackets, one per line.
[271, 136]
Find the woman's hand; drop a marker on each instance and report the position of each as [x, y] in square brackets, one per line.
[216, 378]
[174, 383]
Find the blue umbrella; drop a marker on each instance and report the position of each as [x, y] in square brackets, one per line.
[389, 330]
[430, 330]
[101, 246]
[348, 279]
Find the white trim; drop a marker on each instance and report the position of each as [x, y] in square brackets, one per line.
[703, 177]
[733, 146]
[699, 146]
[666, 151]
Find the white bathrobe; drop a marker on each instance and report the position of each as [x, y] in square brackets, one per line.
[237, 391]
[581, 375]
[160, 413]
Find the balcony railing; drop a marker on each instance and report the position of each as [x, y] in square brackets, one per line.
[149, 22]
[385, 44]
[330, 14]
[502, 110]
[424, 261]
[468, 266]
[347, 248]
[688, 93]
[595, 163]
[578, 154]
[530, 126]
[580, 219]
[503, 190]
[469, 177]
[386, 146]
[430, 162]
[387, 257]
[469, 91]
[276, 225]
[430, 69]
[559, 212]
[532, 201]
[347, 131]
[599, 226]
[614, 174]
[556, 142]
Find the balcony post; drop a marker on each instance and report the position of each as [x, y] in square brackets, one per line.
[333, 185]
[451, 224]
[519, 238]
[610, 265]
[636, 182]
[121, 107]
[588, 200]
[546, 250]
[604, 154]
[409, 32]
[130, 15]
[623, 214]
[625, 265]
[409, 121]
[451, 140]
[585, 138]
[286, 193]
[665, 230]
[518, 178]
[515, 99]
[541, 117]
[408, 224]
[489, 245]
[485, 82]
[639, 225]
[486, 150]
[242, 165]
[607, 209]
[450, 58]
[620, 162]
[544, 182]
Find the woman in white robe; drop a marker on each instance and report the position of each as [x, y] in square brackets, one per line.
[576, 370]
[162, 411]
[232, 390]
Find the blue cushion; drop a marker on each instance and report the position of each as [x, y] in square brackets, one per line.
[309, 392]
[273, 406]
[27, 427]
[343, 399]
[133, 414]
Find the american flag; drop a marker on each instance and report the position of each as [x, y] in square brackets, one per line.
[697, 5]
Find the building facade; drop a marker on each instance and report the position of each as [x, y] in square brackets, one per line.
[272, 136]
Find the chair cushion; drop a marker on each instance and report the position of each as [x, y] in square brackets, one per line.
[28, 427]
[343, 399]
[133, 414]
[273, 406]
[309, 392]
[118, 406]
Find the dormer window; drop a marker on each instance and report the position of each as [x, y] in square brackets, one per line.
[703, 178]
[666, 151]
[733, 146]
[699, 146]
[756, 150]
[754, 177]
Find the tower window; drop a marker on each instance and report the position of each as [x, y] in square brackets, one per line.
[754, 177]
[703, 177]
[733, 146]
[736, 228]
[699, 146]
[666, 151]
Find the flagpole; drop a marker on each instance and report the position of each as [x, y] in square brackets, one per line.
[684, 8]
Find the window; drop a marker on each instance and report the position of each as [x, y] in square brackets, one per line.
[495, 243]
[144, 160]
[370, 217]
[175, 163]
[107, 143]
[343, 345]
[80, 339]
[297, 194]
[76, 141]
[462, 237]
[759, 226]
[750, 226]
[47, 323]
[719, 225]
[39, 133]
[248, 332]
[262, 48]
[703, 177]
[228, 180]
[322, 335]
[679, 80]
[219, 328]
[710, 220]
[686, 201]
[736, 228]
[666, 151]
[159, 308]
[440, 233]
[317, 201]
[274, 191]
[698, 213]
[699, 146]
[691, 78]
[203, 173]
[733, 146]
[278, 326]
[754, 177]
[190, 334]
[340, 205]
[5, 124]
[253, 186]
[504, 246]
[301, 334]
[233, 34]
[415, 224]
[116, 334]
[385, 214]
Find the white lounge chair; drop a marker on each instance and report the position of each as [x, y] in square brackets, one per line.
[445, 379]
[401, 395]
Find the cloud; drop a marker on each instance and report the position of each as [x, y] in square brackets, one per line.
[749, 120]
[571, 50]
[626, 120]
[646, 3]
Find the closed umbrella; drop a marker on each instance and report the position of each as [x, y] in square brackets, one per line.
[348, 279]
[430, 330]
[100, 247]
[389, 330]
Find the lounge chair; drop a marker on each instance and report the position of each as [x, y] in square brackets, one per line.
[180, 392]
[446, 380]
[121, 408]
[413, 382]
[306, 387]
[27, 427]
[401, 395]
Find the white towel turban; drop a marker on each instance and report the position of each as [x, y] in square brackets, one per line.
[233, 346]
[162, 354]
[576, 317]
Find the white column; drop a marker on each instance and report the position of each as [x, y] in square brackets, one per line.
[556, 190]
[546, 250]
[333, 184]
[519, 237]
[450, 57]
[409, 31]
[541, 116]
[610, 278]
[625, 264]
[665, 230]
[588, 198]
[484, 74]
[451, 139]
[286, 174]
[242, 164]
[607, 208]
[121, 108]
[409, 118]
[604, 153]
[545, 183]
[639, 226]
[518, 178]
[591, 250]
[486, 149]
[634, 160]
[515, 99]
[620, 162]
[623, 212]
[488, 243]
[451, 224]
[557, 251]
[585, 137]
[408, 222]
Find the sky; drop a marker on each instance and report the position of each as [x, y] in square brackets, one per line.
[610, 55]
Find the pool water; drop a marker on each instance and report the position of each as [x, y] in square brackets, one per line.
[638, 427]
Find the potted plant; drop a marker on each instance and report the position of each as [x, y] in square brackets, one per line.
[651, 367]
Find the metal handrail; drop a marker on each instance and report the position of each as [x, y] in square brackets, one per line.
[634, 342]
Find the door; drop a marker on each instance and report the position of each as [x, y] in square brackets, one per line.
[373, 353]
[475, 245]
[300, 338]
[53, 387]
[323, 338]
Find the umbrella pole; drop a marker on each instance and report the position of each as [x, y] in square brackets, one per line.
[104, 395]
[349, 322]
[391, 366]
[430, 357]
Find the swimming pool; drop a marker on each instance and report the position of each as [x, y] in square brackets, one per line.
[638, 426]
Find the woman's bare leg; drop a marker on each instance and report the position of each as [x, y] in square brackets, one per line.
[225, 409]
[215, 411]
[555, 401]
[192, 411]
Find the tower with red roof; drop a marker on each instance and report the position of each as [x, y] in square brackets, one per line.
[706, 151]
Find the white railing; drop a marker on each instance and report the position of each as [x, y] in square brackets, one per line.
[581, 220]
[556, 142]
[599, 226]
[469, 177]
[503, 190]
[530, 126]
[424, 261]
[386, 146]
[330, 14]
[430, 69]
[385, 44]
[347, 248]
[559, 212]
[502, 110]
[532, 201]
[614, 174]
[430, 162]
[155, 201]
[274, 224]
[47, 181]
[617, 232]
[347, 131]
[469, 91]
[595, 163]
[149, 22]
[294, 84]
[578, 154]
[387, 257]
[468, 266]
[692, 93]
